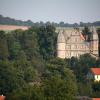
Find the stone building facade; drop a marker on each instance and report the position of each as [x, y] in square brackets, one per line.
[71, 43]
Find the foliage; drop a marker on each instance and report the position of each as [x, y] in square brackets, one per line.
[59, 82]
[30, 71]
[98, 31]
[85, 89]
[10, 78]
[47, 41]
[81, 66]
[86, 33]
[3, 46]
[96, 89]
[21, 60]
[27, 93]
[12, 21]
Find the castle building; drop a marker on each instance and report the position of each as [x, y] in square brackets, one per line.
[71, 43]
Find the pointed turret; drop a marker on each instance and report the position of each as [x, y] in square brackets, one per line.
[61, 38]
[94, 41]
[94, 33]
[61, 45]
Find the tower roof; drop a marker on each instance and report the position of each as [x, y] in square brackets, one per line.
[61, 38]
[93, 29]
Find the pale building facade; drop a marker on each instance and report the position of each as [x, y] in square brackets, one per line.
[71, 43]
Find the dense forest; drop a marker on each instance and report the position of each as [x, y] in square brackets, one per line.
[30, 70]
[12, 21]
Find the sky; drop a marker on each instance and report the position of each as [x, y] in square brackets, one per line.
[69, 11]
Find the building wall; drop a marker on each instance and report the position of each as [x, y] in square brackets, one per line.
[95, 47]
[71, 43]
[73, 46]
[96, 77]
[94, 41]
[61, 50]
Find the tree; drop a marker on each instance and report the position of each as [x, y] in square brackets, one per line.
[81, 66]
[87, 61]
[3, 46]
[47, 41]
[14, 49]
[96, 89]
[86, 33]
[98, 31]
[10, 78]
[98, 63]
[25, 67]
[85, 90]
[27, 93]
[62, 24]
[30, 44]
[59, 82]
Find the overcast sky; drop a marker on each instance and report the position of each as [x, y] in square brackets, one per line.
[70, 11]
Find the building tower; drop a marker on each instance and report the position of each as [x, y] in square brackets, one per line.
[61, 45]
[94, 41]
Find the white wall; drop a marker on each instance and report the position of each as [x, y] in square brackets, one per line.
[97, 78]
[61, 50]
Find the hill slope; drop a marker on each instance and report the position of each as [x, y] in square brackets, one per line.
[12, 27]
[12, 21]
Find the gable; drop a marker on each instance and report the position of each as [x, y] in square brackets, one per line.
[73, 36]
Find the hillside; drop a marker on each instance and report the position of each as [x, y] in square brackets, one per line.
[12, 27]
[12, 21]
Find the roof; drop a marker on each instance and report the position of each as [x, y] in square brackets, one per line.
[2, 97]
[81, 36]
[95, 98]
[95, 71]
[61, 38]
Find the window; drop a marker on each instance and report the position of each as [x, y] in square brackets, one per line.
[68, 47]
[75, 39]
